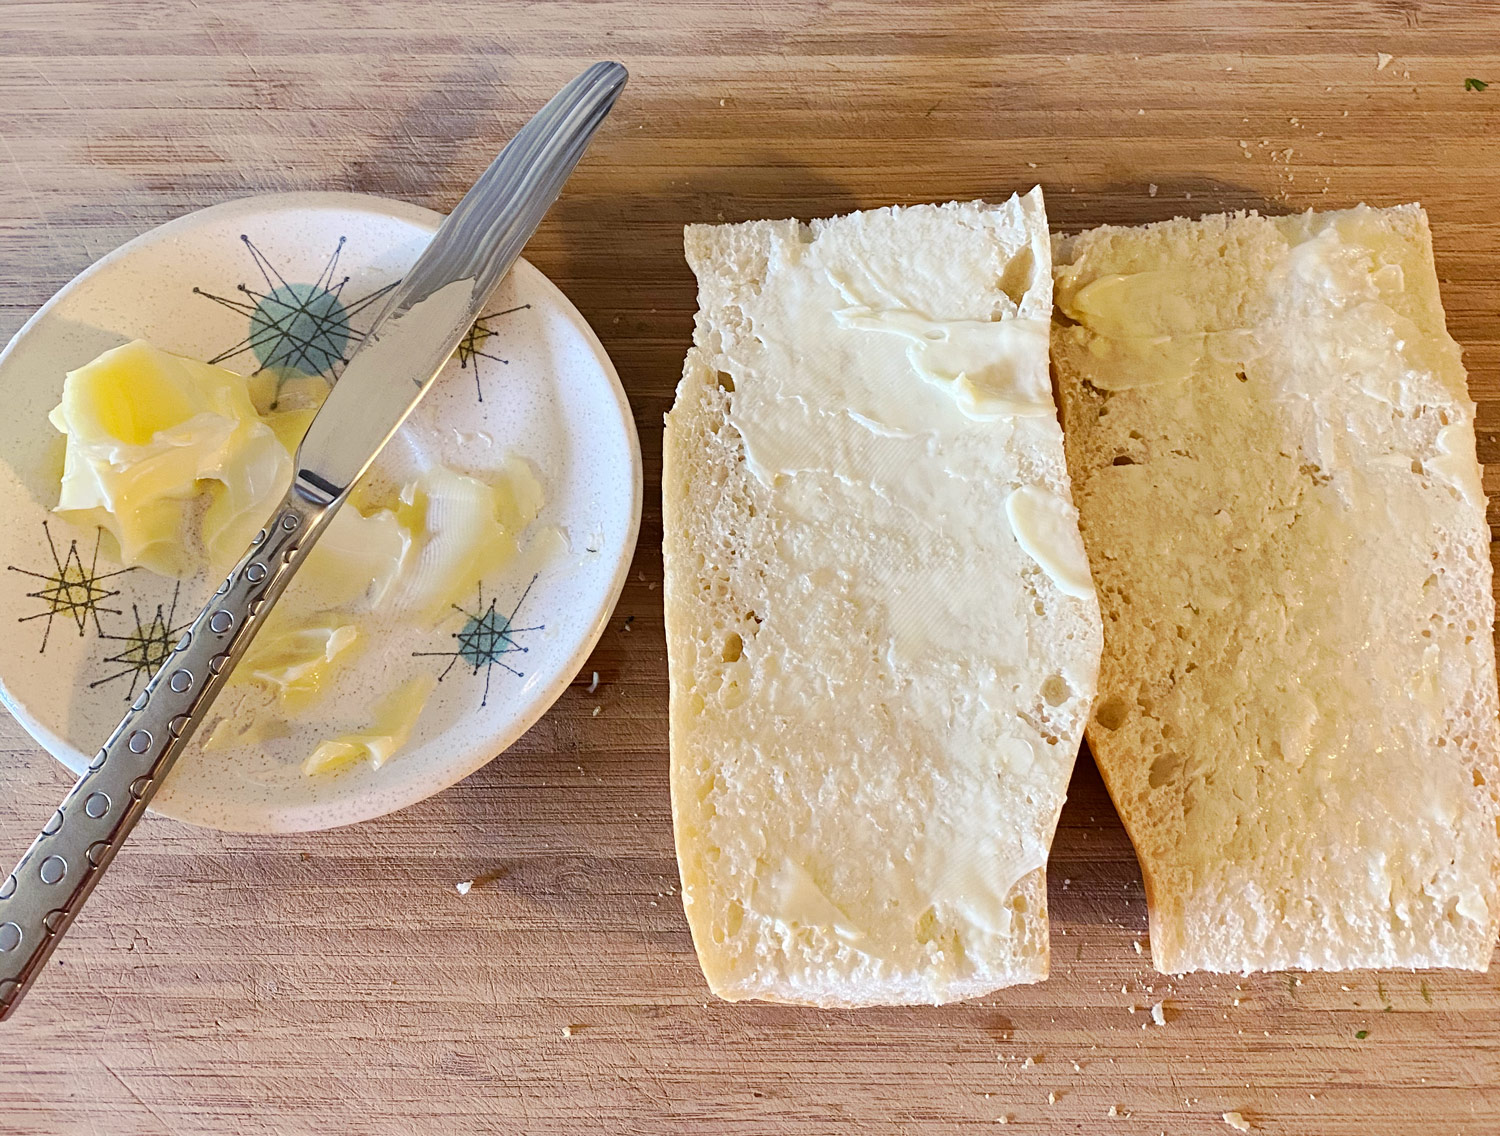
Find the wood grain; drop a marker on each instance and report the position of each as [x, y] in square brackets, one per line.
[336, 982]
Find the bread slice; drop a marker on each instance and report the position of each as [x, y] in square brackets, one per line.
[882, 637]
[1272, 450]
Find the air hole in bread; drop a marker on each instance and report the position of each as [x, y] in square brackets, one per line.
[734, 647]
[1055, 690]
[1015, 281]
[927, 926]
[1124, 459]
[1112, 712]
[1163, 769]
[726, 381]
[1240, 374]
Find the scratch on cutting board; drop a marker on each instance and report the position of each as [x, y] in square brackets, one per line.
[35, 200]
[135, 1096]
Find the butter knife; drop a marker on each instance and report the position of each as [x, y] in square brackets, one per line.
[418, 329]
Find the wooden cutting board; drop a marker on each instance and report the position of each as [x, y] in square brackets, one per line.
[337, 982]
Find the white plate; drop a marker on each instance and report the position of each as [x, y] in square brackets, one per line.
[301, 275]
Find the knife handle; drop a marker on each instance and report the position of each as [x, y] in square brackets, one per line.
[39, 899]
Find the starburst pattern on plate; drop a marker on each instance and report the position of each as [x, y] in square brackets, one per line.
[471, 347]
[144, 650]
[486, 636]
[305, 328]
[71, 590]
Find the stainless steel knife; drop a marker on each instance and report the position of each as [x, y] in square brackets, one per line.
[422, 323]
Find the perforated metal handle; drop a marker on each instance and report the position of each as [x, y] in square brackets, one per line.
[40, 898]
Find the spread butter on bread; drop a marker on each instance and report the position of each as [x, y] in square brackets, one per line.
[883, 638]
[1273, 455]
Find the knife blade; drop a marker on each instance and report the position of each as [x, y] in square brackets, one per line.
[440, 298]
[416, 332]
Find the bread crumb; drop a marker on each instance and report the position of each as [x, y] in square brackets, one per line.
[1137, 943]
[595, 712]
[1114, 1110]
[1133, 1007]
[1002, 1119]
[1159, 1014]
[1237, 1122]
[567, 1031]
[463, 886]
[1382, 61]
[594, 683]
[1052, 1098]
[1031, 165]
[1028, 1063]
[1151, 190]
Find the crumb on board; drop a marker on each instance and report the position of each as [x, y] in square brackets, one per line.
[594, 683]
[1052, 1098]
[1028, 1063]
[1159, 1013]
[567, 1031]
[1002, 1119]
[594, 713]
[1237, 1122]
[463, 886]
[1137, 944]
[1383, 60]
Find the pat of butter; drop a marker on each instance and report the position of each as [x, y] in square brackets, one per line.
[395, 718]
[144, 427]
[355, 562]
[296, 660]
[992, 368]
[1046, 528]
[462, 530]
[798, 902]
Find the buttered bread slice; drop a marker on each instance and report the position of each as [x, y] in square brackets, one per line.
[1272, 450]
[882, 634]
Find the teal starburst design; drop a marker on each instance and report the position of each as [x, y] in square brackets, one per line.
[296, 327]
[486, 638]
